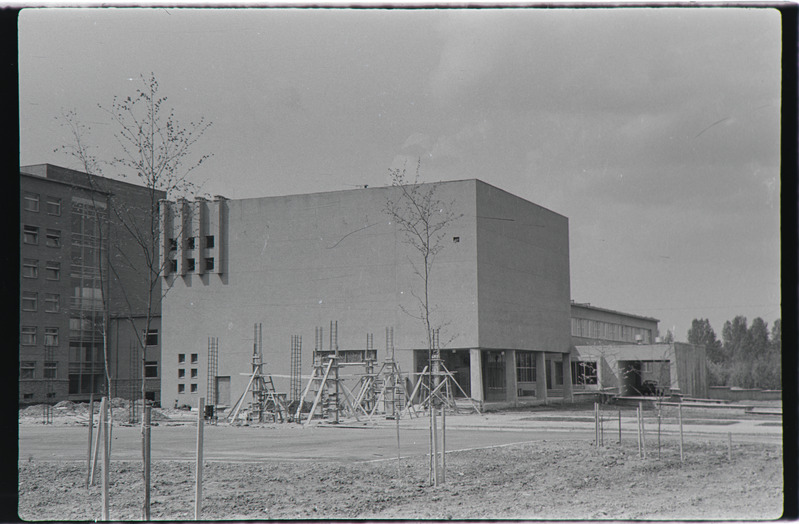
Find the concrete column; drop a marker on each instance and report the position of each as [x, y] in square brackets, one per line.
[568, 395]
[511, 392]
[540, 376]
[476, 374]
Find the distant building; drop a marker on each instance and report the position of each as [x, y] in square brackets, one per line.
[295, 263]
[68, 228]
[620, 353]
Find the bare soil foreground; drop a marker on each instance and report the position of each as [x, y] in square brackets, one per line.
[548, 478]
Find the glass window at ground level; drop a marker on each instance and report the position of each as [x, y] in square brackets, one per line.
[27, 369]
[525, 366]
[558, 373]
[30, 268]
[584, 373]
[28, 336]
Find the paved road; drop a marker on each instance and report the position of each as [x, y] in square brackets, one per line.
[358, 443]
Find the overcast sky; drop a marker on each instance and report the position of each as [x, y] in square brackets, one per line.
[655, 131]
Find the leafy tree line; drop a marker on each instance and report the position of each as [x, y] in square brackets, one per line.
[746, 356]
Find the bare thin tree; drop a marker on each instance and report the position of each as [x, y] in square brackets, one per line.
[157, 152]
[423, 219]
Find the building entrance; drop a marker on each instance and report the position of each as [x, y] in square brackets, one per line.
[494, 376]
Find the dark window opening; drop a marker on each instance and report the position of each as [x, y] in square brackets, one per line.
[152, 338]
[190, 243]
[189, 264]
[209, 264]
[181, 358]
[209, 241]
[456, 239]
[173, 244]
[194, 358]
[151, 369]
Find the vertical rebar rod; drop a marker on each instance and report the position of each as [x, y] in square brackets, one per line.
[729, 446]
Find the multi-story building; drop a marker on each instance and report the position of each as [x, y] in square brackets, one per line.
[620, 353]
[82, 290]
[292, 264]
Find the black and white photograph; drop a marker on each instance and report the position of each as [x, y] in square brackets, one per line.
[428, 262]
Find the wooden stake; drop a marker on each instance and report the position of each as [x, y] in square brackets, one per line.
[658, 431]
[399, 469]
[106, 458]
[679, 414]
[596, 426]
[638, 424]
[198, 484]
[146, 415]
[643, 432]
[91, 434]
[620, 425]
[100, 434]
[729, 446]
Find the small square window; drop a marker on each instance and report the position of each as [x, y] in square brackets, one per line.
[27, 369]
[53, 271]
[30, 301]
[181, 388]
[209, 241]
[193, 372]
[51, 336]
[173, 265]
[30, 234]
[52, 302]
[53, 238]
[456, 239]
[194, 358]
[30, 268]
[28, 336]
[209, 264]
[51, 395]
[54, 206]
[190, 243]
[31, 202]
[27, 396]
[194, 388]
[189, 264]
[173, 244]
[181, 373]
[181, 358]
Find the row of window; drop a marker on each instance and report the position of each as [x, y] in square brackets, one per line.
[30, 235]
[182, 358]
[182, 388]
[598, 329]
[182, 373]
[582, 372]
[29, 336]
[30, 269]
[27, 370]
[30, 302]
[191, 265]
[30, 202]
[191, 243]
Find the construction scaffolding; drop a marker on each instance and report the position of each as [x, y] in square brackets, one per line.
[295, 386]
[264, 399]
[213, 370]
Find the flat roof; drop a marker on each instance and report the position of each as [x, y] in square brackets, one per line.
[587, 305]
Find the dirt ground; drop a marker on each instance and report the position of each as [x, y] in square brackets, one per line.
[546, 479]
